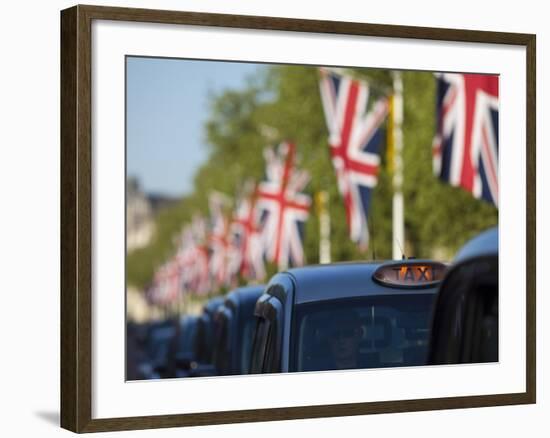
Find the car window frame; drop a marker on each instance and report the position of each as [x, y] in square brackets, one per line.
[272, 357]
[260, 335]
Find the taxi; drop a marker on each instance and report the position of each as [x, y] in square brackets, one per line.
[234, 324]
[346, 316]
[158, 347]
[465, 322]
[185, 356]
[204, 340]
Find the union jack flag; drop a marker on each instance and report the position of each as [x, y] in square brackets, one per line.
[247, 235]
[465, 147]
[166, 283]
[196, 277]
[285, 208]
[184, 255]
[354, 138]
[193, 256]
[218, 241]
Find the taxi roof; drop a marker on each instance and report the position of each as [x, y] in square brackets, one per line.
[212, 304]
[325, 282]
[483, 244]
[245, 293]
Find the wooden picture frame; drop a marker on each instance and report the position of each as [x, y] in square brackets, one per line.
[76, 217]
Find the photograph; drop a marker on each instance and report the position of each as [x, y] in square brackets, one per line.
[274, 219]
[287, 218]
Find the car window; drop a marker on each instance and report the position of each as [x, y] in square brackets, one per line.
[188, 331]
[487, 341]
[201, 340]
[466, 322]
[371, 332]
[222, 350]
[480, 343]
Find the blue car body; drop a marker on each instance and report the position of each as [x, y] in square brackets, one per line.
[302, 318]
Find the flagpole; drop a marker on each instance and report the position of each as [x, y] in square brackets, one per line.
[398, 204]
[322, 199]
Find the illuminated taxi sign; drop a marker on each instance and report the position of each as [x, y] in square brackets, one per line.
[410, 274]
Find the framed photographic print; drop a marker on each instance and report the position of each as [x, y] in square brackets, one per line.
[268, 218]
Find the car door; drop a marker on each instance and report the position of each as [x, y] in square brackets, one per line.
[465, 323]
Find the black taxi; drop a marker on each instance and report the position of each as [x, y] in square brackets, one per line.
[465, 322]
[234, 325]
[185, 356]
[204, 340]
[346, 316]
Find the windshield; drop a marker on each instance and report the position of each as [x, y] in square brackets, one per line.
[370, 332]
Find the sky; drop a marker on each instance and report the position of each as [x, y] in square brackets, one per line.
[167, 107]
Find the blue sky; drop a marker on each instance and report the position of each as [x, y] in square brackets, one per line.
[167, 106]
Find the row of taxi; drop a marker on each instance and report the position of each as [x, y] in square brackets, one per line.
[345, 316]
